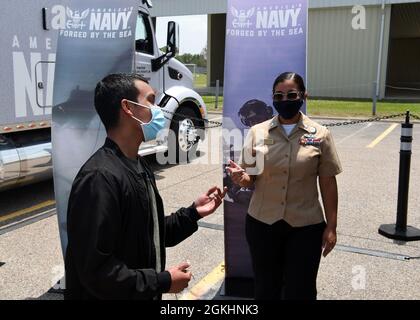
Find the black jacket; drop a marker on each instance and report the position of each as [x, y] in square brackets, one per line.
[110, 253]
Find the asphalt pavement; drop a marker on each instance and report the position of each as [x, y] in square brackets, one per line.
[364, 265]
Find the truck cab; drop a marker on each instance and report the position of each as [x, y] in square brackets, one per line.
[184, 109]
[28, 62]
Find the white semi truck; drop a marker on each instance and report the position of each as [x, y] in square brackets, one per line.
[27, 55]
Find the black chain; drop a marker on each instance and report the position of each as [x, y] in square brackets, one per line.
[353, 122]
[415, 116]
[215, 124]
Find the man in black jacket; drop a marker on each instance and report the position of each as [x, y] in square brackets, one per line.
[117, 230]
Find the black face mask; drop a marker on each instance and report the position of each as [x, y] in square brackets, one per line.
[288, 109]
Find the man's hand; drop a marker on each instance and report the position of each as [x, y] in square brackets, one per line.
[238, 175]
[208, 202]
[329, 239]
[180, 277]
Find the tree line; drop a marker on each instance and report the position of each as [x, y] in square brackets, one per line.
[187, 58]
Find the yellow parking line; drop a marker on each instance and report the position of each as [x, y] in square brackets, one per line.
[382, 136]
[27, 210]
[205, 284]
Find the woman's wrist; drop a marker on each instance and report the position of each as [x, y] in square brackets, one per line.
[332, 225]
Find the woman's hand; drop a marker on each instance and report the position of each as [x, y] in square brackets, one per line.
[329, 239]
[238, 175]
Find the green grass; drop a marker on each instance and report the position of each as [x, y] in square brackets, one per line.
[200, 80]
[336, 108]
[210, 102]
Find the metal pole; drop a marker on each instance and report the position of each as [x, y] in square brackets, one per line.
[381, 43]
[217, 93]
[400, 230]
[374, 99]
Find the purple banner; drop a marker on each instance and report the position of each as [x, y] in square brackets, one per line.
[264, 38]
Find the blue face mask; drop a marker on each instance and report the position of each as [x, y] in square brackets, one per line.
[151, 128]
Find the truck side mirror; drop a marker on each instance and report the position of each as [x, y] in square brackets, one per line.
[172, 44]
[148, 3]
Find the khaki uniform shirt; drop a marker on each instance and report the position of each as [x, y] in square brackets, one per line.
[285, 170]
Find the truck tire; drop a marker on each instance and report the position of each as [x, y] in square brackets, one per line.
[187, 135]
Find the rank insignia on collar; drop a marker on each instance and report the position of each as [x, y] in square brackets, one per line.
[312, 130]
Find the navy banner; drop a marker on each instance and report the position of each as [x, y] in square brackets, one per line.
[96, 38]
[264, 38]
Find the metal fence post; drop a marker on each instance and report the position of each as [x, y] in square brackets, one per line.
[217, 94]
[374, 98]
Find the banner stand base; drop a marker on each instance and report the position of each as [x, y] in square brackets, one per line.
[238, 287]
[391, 231]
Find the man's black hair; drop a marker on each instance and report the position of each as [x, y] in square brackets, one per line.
[108, 95]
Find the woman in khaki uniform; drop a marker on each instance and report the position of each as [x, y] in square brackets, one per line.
[284, 158]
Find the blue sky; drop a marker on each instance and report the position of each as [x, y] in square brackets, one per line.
[192, 31]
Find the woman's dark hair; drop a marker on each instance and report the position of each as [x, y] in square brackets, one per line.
[290, 76]
[108, 95]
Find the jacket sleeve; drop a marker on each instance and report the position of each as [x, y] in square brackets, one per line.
[180, 225]
[94, 227]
